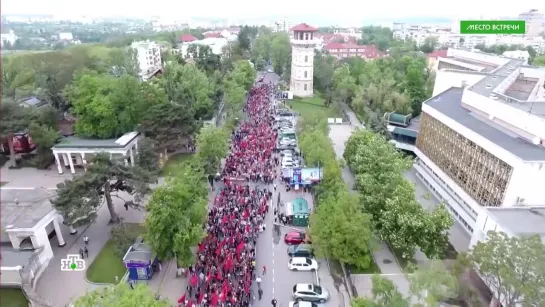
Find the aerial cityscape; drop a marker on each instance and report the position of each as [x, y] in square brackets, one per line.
[387, 156]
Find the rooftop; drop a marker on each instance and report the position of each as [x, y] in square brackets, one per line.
[13, 257]
[438, 53]
[510, 219]
[23, 208]
[488, 67]
[187, 38]
[303, 27]
[138, 252]
[449, 103]
[78, 142]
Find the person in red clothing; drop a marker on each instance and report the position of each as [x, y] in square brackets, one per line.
[264, 270]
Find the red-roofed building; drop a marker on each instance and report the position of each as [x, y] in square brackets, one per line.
[432, 57]
[187, 38]
[340, 51]
[303, 27]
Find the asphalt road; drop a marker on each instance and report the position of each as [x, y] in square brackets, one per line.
[272, 253]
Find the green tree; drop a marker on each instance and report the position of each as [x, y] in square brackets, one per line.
[311, 122]
[512, 268]
[17, 77]
[147, 158]
[213, 144]
[261, 47]
[340, 231]
[314, 147]
[433, 283]
[176, 213]
[14, 119]
[415, 85]
[280, 51]
[45, 138]
[389, 198]
[107, 106]
[121, 295]
[189, 86]
[168, 125]
[78, 200]
[123, 61]
[429, 45]
[343, 84]
[132, 179]
[539, 60]
[382, 37]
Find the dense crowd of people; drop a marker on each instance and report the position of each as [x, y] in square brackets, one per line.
[225, 264]
[254, 141]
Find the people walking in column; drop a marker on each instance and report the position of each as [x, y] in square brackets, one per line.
[86, 251]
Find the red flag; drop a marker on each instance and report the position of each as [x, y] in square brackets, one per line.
[209, 277]
[182, 299]
[201, 296]
[214, 300]
[194, 280]
[190, 303]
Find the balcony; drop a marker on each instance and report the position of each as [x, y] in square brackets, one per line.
[302, 42]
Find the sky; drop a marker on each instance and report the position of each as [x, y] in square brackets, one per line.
[345, 10]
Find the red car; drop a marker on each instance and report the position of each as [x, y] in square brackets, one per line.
[294, 237]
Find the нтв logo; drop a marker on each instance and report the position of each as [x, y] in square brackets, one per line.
[73, 263]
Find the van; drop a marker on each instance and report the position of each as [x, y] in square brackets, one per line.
[301, 250]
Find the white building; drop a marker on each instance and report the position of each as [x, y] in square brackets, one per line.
[216, 44]
[66, 36]
[73, 152]
[517, 54]
[28, 222]
[303, 44]
[481, 142]
[9, 38]
[283, 25]
[535, 22]
[149, 57]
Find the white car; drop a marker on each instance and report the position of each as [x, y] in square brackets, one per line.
[304, 304]
[302, 264]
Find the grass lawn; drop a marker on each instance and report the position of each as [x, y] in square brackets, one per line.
[108, 264]
[312, 105]
[12, 297]
[372, 269]
[175, 161]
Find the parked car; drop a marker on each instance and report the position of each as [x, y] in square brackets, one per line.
[294, 237]
[310, 292]
[301, 250]
[304, 304]
[302, 264]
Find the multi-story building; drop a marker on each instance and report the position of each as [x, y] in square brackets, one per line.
[481, 141]
[303, 44]
[340, 51]
[535, 22]
[9, 38]
[149, 57]
[282, 25]
[66, 36]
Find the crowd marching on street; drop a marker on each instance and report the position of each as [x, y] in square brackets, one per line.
[226, 259]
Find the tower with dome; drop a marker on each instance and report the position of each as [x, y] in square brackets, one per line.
[303, 44]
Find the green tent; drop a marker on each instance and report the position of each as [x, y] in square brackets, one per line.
[298, 211]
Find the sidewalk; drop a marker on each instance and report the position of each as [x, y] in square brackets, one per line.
[60, 288]
[339, 134]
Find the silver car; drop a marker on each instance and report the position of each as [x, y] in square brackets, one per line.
[310, 292]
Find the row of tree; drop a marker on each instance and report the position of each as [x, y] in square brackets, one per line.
[511, 267]
[390, 199]
[338, 227]
[274, 48]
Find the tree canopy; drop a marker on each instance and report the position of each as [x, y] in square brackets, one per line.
[513, 268]
[176, 213]
[389, 198]
[108, 107]
[121, 295]
[213, 144]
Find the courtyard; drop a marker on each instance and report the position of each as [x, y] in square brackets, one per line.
[313, 105]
